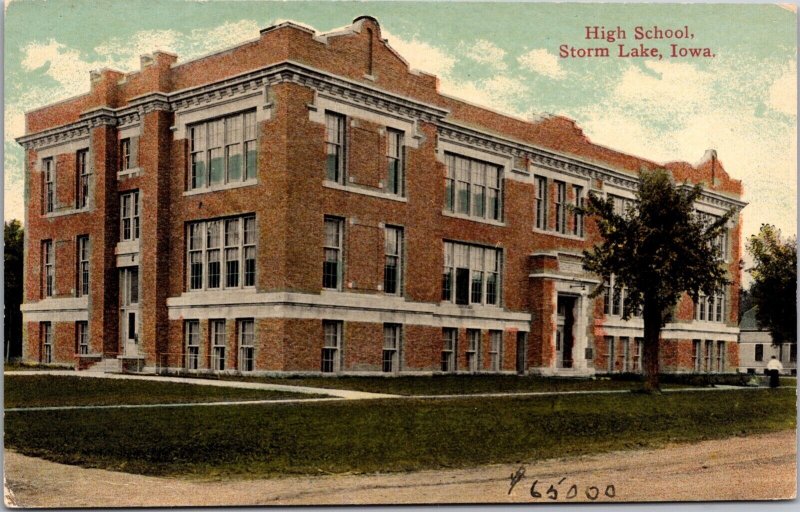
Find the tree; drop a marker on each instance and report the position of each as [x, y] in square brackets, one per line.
[774, 288]
[12, 261]
[657, 249]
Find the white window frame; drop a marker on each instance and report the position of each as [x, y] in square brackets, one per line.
[577, 217]
[721, 356]
[331, 359]
[708, 355]
[393, 258]
[49, 195]
[473, 350]
[449, 349]
[333, 252]
[710, 308]
[129, 216]
[471, 178]
[496, 350]
[561, 207]
[206, 240]
[246, 334]
[125, 159]
[82, 335]
[611, 343]
[697, 355]
[540, 184]
[225, 135]
[192, 340]
[84, 173]
[218, 344]
[395, 162]
[49, 266]
[83, 250]
[47, 342]
[481, 263]
[392, 342]
[335, 147]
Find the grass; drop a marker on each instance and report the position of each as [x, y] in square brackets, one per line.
[387, 435]
[50, 390]
[444, 384]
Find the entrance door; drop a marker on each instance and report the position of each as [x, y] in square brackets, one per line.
[129, 310]
[522, 346]
[564, 331]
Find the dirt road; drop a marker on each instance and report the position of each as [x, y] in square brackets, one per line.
[754, 467]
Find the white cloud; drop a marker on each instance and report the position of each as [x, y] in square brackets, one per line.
[63, 64]
[543, 62]
[665, 88]
[485, 52]
[501, 92]
[782, 95]
[421, 55]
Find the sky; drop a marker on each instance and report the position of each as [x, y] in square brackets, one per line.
[741, 102]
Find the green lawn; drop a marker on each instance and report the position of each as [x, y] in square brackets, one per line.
[387, 435]
[50, 390]
[445, 384]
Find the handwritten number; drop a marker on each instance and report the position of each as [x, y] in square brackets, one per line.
[572, 492]
[552, 493]
[592, 493]
[610, 491]
[534, 492]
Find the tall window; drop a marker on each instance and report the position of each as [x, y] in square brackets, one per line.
[84, 171]
[473, 349]
[720, 356]
[449, 337]
[124, 154]
[47, 342]
[82, 337]
[218, 344]
[621, 205]
[223, 151]
[471, 274]
[561, 207]
[709, 353]
[247, 337]
[391, 347]
[577, 219]
[393, 266]
[395, 179]
[223, 252]
[610, 353]
[614, 297]
[697, 356]
[48, 260]
[332, 344]
[334, 147]
[636, 361]
[473, 188]
[192, 333]
[624, 353]
[710, 308]
[495, 350]
[332, 263]
[129, 206]
[541, 202]
[83, 266]
[48, 166]
[759, 354]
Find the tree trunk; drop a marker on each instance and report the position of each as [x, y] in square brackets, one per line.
[652, 335]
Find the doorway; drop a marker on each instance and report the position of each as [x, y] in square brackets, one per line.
[565, 325]
[129, 310]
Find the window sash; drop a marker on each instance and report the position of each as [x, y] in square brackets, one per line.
[83, 266]
[332, 254]
[223, 150]
[49, 188]
[217, 255]
[48, 257]
[395, 166]
[391, 347]
[332, 342]
[125, 154]
[393, 255]
[449, 341]
[577, 220]
[83, 178]
[473, 187]
[496, 339]
[83, 337]
[471, 274]
[561, 197]
[334, 147]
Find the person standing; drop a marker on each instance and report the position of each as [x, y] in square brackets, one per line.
[773, 369]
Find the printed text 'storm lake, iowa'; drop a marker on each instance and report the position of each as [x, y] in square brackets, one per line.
[677, 40]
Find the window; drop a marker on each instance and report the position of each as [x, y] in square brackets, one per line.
[721, 241]
[393, 266]
[759, 355]
[624, 354]
[223, 151]
[124, 154]
[621, 204]
[391, 347]
[192, 333]
[610, 353]
[495, 349]
[83, 266]
[561, 207]
[47, 342]
[84, 171]
[614, 297]
[332, 344]
[473, 349]
[129, 281]
[541, 202]
[395, 179]
[636, 360]
[332, 263]
[709, 355]
[334, 147]
[48, 166]
[720, 356]
[48, 259]
[577, 218]
[247, 337]
[82, 337]
[215, 245]
[471, 274]
[697, 359]
[473, 188]
[710, 308]
[218, 345]
[129, 205]
[449, 337]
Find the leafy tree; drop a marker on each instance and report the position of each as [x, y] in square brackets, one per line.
[12, 260]
[774, 288]
[658, 249]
